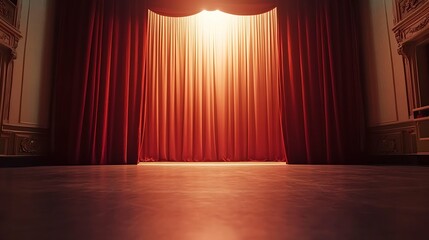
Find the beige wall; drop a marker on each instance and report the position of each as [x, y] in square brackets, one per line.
[32, 73]
[385, 90]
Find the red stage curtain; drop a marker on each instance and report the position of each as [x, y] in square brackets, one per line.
[99, 81]
[100, 69]
[322, 105]
[212, 89]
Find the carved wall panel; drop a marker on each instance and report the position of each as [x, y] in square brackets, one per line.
[14, 140]
[406, 7]
[412, 20]
[24, 141]
[19, 138]
[393, 139]
[412, 34]
[8, 11]
[30, 144]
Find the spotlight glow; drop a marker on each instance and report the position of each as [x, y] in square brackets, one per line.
[214, 16]
[215, 23]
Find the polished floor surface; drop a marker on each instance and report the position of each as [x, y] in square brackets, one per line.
[215, 201]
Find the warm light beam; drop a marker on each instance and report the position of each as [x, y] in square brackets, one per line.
[215, 23]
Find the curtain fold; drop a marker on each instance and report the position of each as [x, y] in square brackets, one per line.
[100, 80]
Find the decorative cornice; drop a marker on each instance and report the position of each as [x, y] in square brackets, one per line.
[410, 25]
[420, 26]
[413, 27]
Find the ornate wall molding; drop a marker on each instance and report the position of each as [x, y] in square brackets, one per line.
[399, 36]
[24, 141]
[398, 138]
[415, 24]
[9, 37]
[11, 142]
[8, 11]
[4, 38]
[30, 145]
[412, 34]
[404, 8]
[407, 6]
[388, 145]
[420, 26]
[413, 31]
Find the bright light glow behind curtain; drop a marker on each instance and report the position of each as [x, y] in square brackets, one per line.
[212, 89]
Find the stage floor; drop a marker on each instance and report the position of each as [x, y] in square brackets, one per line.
[215, 201]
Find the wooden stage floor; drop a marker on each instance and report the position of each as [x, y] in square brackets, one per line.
[215, 201]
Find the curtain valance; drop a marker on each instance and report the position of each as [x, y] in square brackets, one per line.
[176, 8]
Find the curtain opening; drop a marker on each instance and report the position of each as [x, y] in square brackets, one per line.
[212, 89]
